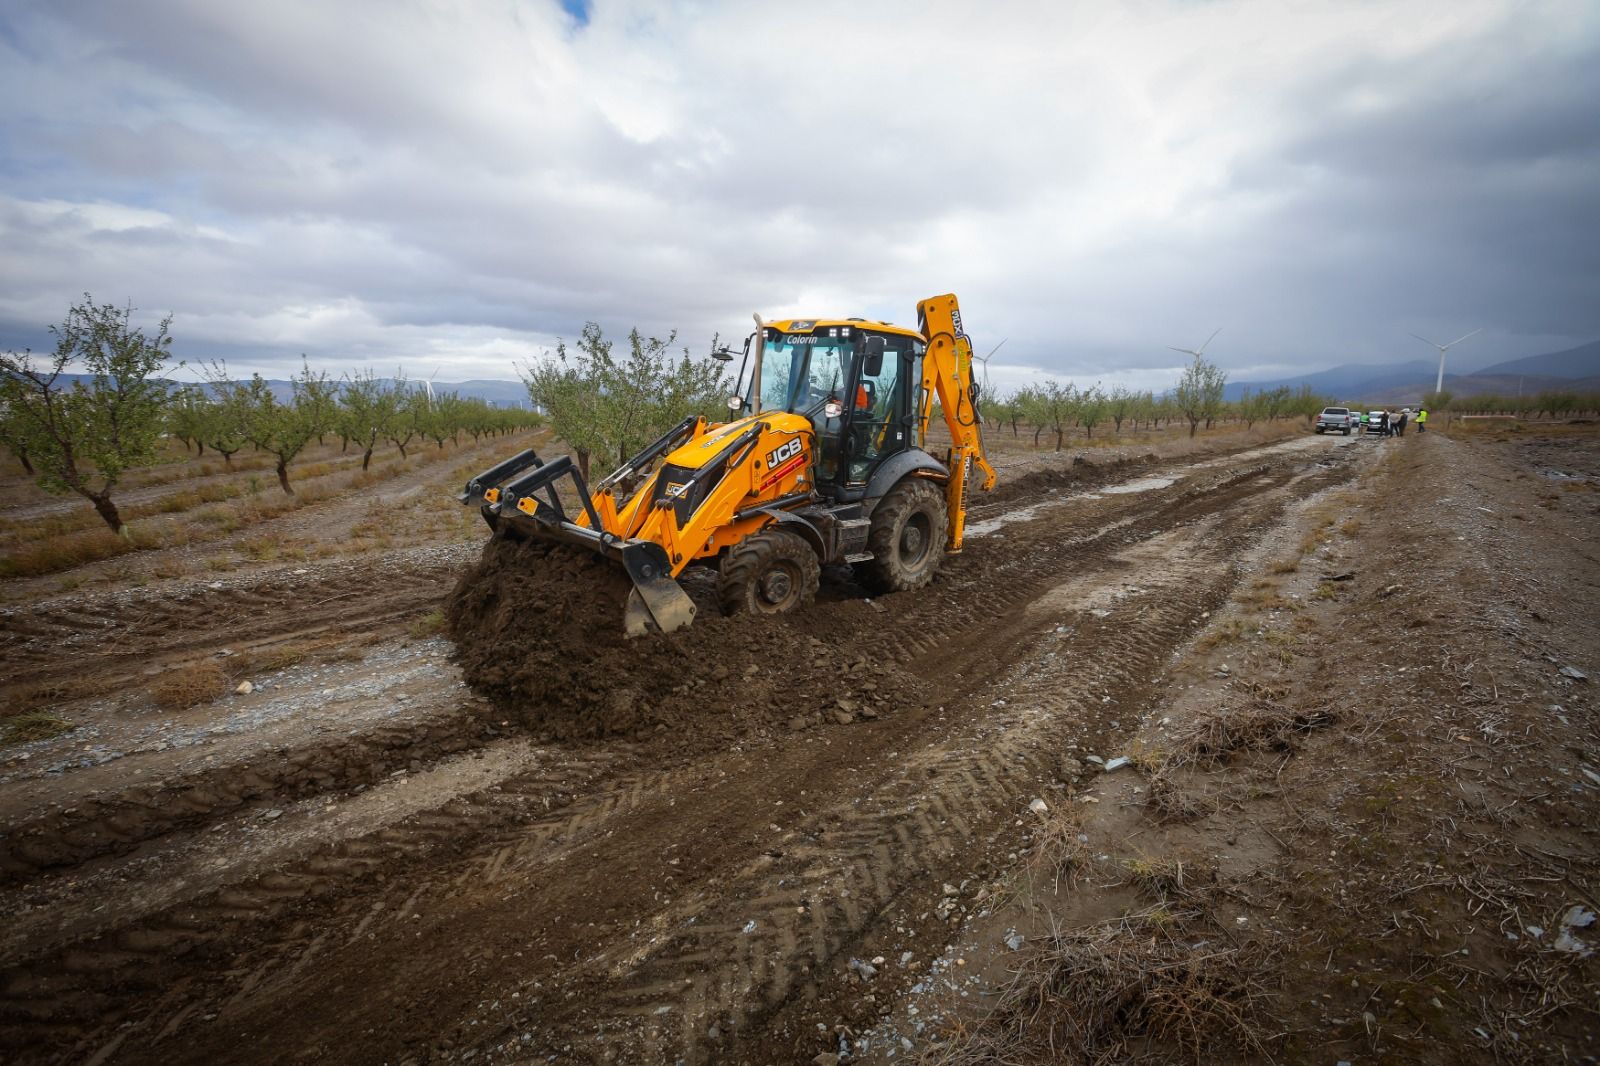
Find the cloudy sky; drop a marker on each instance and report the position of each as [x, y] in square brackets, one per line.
[450, 186]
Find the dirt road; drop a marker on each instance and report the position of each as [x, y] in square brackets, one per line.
[360, 861]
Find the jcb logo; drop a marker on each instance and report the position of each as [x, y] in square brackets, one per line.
[782, 452]
[675, 488]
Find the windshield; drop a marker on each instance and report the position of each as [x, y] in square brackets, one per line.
[800, 371]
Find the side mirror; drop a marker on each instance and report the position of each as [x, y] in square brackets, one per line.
[723, 355]
[872, 361]
[736, 402]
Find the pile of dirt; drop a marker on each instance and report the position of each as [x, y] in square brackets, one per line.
[538, 632]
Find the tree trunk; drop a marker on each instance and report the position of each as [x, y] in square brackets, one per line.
[1194, 424]
[107, 511]
[583, 464]
[366, 458]
[22, 457]
[283, 476]
[227, 457]
[1059, 435]
[402, 448]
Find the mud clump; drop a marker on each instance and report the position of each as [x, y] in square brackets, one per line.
[538, 632]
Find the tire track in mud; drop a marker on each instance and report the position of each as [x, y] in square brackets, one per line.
[733, 969]
[129, 631]
[259, 942]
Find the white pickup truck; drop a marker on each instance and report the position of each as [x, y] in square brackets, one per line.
[1336, 418]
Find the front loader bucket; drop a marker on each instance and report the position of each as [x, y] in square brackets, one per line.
[657, 603]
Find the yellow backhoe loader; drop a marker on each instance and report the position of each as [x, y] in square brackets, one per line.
[824, 460]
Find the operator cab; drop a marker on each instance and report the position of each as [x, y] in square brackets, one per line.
[856, 381]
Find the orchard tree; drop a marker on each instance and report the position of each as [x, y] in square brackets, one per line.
[367, 407]
[1198, 396]
[281, 429]
[607, 406]
[12, 437]
[1120, 405]
[1091, 409]
[82, 435]
[1059, 403]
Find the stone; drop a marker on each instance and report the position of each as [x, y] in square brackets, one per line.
[245, 688]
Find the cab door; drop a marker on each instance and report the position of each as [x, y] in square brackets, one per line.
[879, 415]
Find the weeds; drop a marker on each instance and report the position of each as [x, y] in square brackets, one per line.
[32, 725]
[187, 686]
[425, 626]
[1111, 991]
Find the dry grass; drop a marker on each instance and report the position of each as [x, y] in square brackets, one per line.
[32, 725]
[1131, 988]
[1060, 852]
[52, 554]
[1261, 725]
[185, 686]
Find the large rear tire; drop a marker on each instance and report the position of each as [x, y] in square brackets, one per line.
[771, 572]
[907, 538]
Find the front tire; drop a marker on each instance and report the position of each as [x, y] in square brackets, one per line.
[907, 539]
[772, 572]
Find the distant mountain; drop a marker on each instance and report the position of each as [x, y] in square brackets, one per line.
[1406, 383]
[1580, 362]
[498, 393]
[1344, 382]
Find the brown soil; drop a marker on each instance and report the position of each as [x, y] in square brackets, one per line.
[767, 840]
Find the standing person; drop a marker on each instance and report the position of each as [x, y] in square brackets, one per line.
[1405, 416]
[1422, 420]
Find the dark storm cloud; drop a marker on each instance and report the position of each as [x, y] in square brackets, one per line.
[450, 182]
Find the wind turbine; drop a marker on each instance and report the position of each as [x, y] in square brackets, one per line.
[985, 361]
[1439, 385]
[1191, 351]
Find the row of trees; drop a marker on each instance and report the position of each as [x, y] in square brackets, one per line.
[82, 434]
[1055, 407]
[1547, 403]
[362, 410]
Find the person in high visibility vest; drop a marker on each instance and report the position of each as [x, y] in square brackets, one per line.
[1422, 420]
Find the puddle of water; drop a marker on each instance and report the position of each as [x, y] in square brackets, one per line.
[1144, 484]
[989, 525]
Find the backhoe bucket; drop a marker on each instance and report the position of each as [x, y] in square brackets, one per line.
[529, 506]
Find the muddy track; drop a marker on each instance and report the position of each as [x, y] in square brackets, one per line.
[114, 638]
[626, 883]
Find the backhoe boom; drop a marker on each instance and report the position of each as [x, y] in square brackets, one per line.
[947, 377]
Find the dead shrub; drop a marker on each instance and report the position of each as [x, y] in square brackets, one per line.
[1170, 799]
[185, 686]
[1120, 990]
[1060, 852]
[1261, 725]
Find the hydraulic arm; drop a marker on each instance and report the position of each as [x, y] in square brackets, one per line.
[947, 377]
